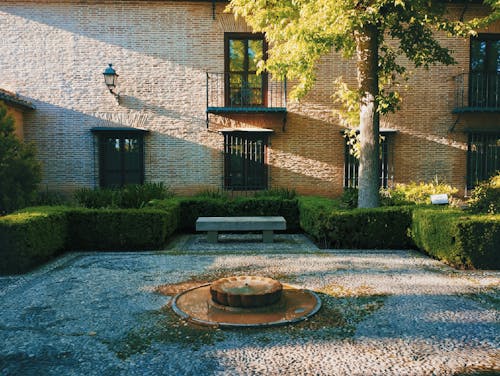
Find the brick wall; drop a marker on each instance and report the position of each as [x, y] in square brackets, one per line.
[54, 53]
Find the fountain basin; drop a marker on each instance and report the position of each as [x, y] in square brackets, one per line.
[246, 291]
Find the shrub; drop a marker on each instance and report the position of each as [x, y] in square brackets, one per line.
[485, 197]
[461, 240]
[415, 193]
[19, 170]
[131, 196]
[120, 229]
[313, 213]
[349, 198]
[379, 228]
[31, 237]
[194, 207]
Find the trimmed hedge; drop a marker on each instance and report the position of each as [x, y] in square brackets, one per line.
[330, 226]
[34, 235]
[122, 229]
[31, 237]
[194, 207]
[461, 240]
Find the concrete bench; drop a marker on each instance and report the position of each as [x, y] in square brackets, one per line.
[212, 225]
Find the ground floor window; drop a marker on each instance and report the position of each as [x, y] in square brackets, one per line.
[351, 164]
[245, 160]
[120, 157]
[483, 157]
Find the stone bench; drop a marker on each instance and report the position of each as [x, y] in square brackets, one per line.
[212, 225]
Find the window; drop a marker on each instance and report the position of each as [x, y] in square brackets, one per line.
[483, 157]
[351, 165]
[121, 157]
[245, 160]
[484, 79]
[243, 86]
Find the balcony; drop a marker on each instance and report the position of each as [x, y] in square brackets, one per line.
[244, 93]
[477, 92]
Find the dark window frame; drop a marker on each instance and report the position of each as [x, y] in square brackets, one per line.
[484, 84]
[351, 164]
[227, 72]
[249, 168]
[483, 156]
[104, 172]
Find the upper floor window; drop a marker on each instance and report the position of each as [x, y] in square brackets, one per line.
[243, 86]
[484, 85]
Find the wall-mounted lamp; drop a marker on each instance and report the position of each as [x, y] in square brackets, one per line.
[111, 79]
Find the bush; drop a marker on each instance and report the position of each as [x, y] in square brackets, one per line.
[19, 170]
[331, 226]
[379, 228]
[131, 196]
[31, 237]
[485, 197]
[313, 213]
[120, 229]
[461, 240]
[194, 207]
[415, 193]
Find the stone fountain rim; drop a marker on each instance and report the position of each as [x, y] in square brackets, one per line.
[223, 325]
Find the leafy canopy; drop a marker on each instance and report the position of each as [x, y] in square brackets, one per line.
[301, 31]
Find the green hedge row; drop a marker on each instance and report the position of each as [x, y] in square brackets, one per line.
[330, 226]
[194, 207]
[34, 235]
[461, 240]
[29, 238]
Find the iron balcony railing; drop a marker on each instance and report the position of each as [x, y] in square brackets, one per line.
[477, 91]
[245, 92]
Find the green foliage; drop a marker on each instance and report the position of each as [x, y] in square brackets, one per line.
[349, 198]
[31, 237]
[194, 207]
[379, 228]
[313, 213]
[415, 193]
[461, 240]
[284, 193]
[485, 197]
[131, 196]
[331, 226]
[120, 229]
[19, 170]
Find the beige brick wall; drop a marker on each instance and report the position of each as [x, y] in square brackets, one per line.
[54, 53]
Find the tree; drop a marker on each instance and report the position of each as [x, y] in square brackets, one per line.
[19, 170]
[376, 32]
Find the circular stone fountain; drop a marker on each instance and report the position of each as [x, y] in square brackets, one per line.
[245, 301]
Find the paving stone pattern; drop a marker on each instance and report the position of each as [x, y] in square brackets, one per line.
[67, 317]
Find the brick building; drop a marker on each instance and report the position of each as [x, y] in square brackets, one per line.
[189, 110]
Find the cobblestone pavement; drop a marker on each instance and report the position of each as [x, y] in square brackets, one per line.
[384, 313]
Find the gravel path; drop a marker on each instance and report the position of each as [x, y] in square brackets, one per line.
[384, 313]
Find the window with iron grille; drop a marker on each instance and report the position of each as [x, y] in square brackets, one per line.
[483, 157]
[245, 161]
[351, 165]
[484, 77]
[121, 159]
[243, 86]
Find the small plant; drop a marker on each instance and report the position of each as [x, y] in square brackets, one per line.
[485, 197]
[131, 196]
[213, 194]
[349, 198]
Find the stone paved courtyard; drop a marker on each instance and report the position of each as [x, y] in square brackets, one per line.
[384, 313]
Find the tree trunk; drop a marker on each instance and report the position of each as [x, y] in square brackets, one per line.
[367, 69]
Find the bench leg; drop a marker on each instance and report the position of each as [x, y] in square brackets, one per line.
[267, 236]
[212, 236]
